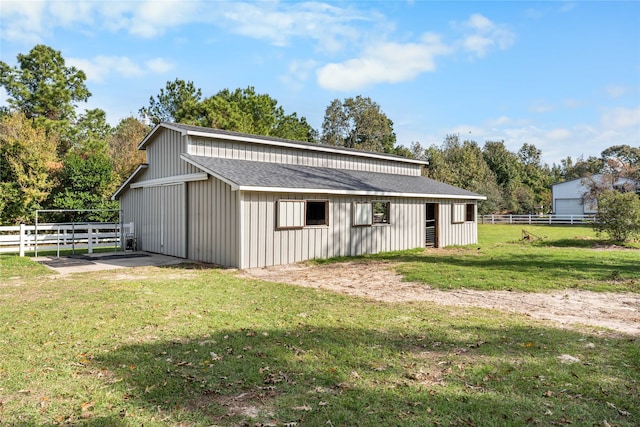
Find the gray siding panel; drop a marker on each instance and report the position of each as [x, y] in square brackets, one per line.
[213, 222]
[450, 234]
[266, 245]
[212, 147]
[163, 226]
[163, 156]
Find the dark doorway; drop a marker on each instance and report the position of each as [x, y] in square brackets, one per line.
[431, 238]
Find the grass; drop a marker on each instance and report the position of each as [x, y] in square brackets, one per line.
[556, 258]
[181, 346]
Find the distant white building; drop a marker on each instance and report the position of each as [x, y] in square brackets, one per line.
[568, 197]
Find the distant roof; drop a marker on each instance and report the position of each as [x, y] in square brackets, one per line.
[277, 177]
[598, 177]
[268, 140]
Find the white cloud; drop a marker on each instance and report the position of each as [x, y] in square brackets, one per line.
[298, 73]
[100, 68]
[332, 27]
[622, 118]
[385, 62]
[558, 134]
[481, 35]
[540, 108]
[22, 21]
[159, 65]
[617, 91]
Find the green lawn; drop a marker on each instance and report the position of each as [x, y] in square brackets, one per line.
[555, 258]
[183, 346]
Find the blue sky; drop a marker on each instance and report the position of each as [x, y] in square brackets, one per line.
[564, 76]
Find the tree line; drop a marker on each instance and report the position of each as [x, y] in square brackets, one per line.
[51, 157]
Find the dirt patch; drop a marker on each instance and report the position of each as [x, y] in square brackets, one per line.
[379, 281]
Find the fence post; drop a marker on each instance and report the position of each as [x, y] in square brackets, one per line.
[22, 237]
[90, 238]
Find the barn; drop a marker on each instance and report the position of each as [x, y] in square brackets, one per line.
[568, 197]
[249, 201]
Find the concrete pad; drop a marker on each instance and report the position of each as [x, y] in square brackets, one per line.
[106, 261]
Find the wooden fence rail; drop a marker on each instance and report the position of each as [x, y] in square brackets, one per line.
[539, 219]
[61, 236]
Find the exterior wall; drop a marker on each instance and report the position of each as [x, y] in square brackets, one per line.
[133, 210]
[264, 244]
[158, 214]
[567, 198]
[213, 222]
[207, 221]
[450, 234]
[164, 226]
[210, 147]
[163, 156]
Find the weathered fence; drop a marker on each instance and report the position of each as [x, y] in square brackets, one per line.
[62, 236]
[539, 219]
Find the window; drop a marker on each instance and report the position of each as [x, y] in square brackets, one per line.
[369, 213]
[458, 213]
[290, 214]
[381, 212]
[362, 214]
[300, 213]
[317, 213]
[471, 212]
[461, 212]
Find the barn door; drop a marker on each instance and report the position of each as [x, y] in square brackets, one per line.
[431, 226]
[165, 228]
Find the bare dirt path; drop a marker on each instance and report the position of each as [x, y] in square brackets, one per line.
[378, 280]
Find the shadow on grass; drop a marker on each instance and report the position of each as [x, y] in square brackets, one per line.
[333, 376]
[536, 268]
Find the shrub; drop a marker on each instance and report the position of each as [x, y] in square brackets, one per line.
[618, 215]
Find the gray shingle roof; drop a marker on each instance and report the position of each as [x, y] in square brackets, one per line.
[246, 174]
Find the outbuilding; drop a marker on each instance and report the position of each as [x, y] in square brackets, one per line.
[249, 201]
[569, 197]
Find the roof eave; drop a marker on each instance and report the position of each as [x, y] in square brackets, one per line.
[359, 192]
[128, 181]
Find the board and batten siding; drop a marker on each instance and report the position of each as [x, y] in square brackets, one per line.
[450, 234]
[211, 147]
[163, 156]
[213, 222]
[263, 244]
[163, 229]
[133, 210]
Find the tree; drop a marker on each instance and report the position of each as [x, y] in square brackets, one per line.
[618, 215]
[91, 132]
[622, 160]
[27, 160]
[358, 123]
[86, 179]
[246, 111]
[462, 164]
[241, 110]
[42, 86]
[581, 168]
[535, 175]
[86, 182]
[123, 147]
[178, 102]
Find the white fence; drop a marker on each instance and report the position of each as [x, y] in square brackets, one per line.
[56, 237]
[539, 219]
